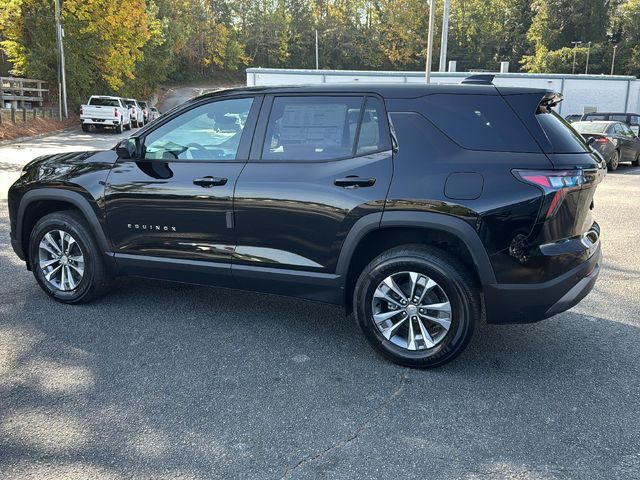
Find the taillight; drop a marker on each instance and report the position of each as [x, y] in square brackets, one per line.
[601, 140]
[557, 183]
[80, 110]
[115, 112]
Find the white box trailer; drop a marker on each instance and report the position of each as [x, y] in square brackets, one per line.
[611, 93]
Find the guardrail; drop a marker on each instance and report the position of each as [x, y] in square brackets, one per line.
[15, 115]
[21, 92]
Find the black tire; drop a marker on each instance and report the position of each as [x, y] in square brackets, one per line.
[615, 161]
[134, 124]
[96, 280]
[119, 128]
[636, 162]
[85, 128]
[128, 126]
[455, 281]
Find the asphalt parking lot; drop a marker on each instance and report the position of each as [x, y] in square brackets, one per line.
[164, 381]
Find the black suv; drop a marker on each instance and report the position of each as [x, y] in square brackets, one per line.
[422, 209]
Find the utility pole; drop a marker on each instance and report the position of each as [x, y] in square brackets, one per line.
[432, 21]
[317, 61]
[575, 49]
[586, 69]
[62, 87]
[445, 36]
[613, 60]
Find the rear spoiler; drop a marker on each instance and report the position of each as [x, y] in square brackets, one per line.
[482, 79]
[549, 100]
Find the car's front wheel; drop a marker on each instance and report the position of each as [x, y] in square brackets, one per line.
[636, 162]
[417, 306]
[66, 260]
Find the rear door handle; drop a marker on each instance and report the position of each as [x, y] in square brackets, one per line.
[210, 181]
[354, 182]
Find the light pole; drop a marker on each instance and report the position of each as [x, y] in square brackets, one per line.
[445, 36]
[317, 60]
[613, 60]
[575, 49]
[432, 21]
[586, 69]
[61, 68]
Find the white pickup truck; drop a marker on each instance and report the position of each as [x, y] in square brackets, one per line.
[104, 111]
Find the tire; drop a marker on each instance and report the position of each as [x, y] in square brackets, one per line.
[615, 161]
[134, 124]
[119, 128]
[85, 128]
[95, 280]
[636, 162]
[128, 126]
[454, 283]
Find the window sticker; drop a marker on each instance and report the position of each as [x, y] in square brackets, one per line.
[313, 124]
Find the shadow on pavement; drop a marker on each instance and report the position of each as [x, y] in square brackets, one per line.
[161, 380]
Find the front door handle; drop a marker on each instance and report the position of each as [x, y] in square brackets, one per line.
[210, 181]
[353, 181]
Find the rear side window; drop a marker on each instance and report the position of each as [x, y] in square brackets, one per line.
[312, 128]
[479, 122]
[563, 138]
[374, 133]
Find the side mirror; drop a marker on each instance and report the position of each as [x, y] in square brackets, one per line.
[590, 140]
[126, 148]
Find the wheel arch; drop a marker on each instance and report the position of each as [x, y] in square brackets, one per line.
[42, 201]
[375, 233]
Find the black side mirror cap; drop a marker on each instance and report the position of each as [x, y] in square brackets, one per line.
[126, 148]
[590, 140]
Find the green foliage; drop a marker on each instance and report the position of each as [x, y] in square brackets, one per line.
[128, 47]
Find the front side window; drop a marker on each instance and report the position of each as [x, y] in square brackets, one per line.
[207, 132]
[626, 130]
[312, 128]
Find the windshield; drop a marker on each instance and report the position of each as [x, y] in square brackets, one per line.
[590, 127]
[130, 103]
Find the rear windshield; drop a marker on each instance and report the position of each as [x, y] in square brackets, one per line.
[143, 104]
[595, 116]
[590, 127]
[105, 102]
[130, 103]
[479, 122]
[561, 135]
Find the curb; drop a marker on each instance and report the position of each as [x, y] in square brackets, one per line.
[34, 137]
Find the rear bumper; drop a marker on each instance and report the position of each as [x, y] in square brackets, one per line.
[99, 121]
[529, 303]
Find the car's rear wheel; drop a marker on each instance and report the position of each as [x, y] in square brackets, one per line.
[66, 260]
[615, 161]
[85, 128]
[417, 306]
[636, 162]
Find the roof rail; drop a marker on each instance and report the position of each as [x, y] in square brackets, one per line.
[483, 79]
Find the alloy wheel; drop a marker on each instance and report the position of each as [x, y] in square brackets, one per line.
[411, 311]
[61, 260]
